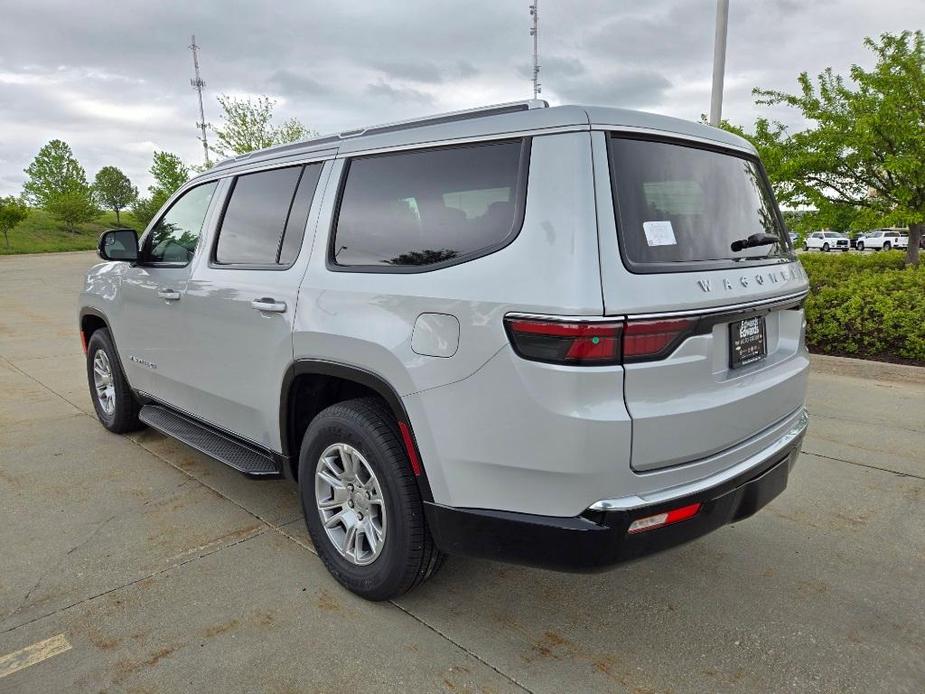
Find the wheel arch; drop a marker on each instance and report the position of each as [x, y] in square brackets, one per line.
[303, 370]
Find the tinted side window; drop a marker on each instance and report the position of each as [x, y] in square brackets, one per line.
[418, 208]
[174, 237]
[255, 216]
[298, 215]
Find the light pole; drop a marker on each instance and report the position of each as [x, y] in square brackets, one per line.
[719, 61]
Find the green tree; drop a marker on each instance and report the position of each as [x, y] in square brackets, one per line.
[247, 125]
[865, 146]
[73, 207]
[12, 212]
[114, 190]
[53, 171]
[169, 174]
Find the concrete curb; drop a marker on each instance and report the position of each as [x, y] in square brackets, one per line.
[865, 368]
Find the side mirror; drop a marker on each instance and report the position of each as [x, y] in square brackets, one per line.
[118, 244]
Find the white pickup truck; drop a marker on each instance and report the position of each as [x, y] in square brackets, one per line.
[883, 240]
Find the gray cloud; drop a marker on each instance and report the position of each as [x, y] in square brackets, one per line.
[112, 79]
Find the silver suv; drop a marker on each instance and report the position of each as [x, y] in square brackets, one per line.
[564, 337]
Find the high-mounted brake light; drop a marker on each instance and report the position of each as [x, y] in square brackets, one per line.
[593, 344]
[660, 520]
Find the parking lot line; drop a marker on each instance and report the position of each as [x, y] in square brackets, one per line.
[33, 655]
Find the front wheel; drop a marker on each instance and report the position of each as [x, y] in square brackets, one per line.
[825, 248]
[361, 501]
[805, 246]
[860, 246]
[113, 400]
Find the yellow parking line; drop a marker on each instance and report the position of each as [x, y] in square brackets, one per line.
[32, 655]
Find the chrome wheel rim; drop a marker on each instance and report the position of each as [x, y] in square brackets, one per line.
[350, 504]
[103, 382]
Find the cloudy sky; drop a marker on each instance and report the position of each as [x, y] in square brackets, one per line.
[112, 78]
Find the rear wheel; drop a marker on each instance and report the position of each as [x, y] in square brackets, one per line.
[113, 400]
[886, 245]
[361, 501]
[825, 248]
[805, 246]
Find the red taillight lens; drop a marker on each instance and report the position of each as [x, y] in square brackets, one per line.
[654, 339]
[593, 344]
[596, 344]
[660, 520]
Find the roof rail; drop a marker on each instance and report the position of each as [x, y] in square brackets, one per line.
[436, 119]
[452, 116]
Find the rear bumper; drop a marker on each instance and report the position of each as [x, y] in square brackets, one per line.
[597, 539]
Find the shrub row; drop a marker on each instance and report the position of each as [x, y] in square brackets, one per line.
[865, 305]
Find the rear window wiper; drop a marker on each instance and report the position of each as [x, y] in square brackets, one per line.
[759, 239]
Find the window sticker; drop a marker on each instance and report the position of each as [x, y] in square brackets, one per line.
[659, 233]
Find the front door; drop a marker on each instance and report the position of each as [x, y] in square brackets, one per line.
[152, 340]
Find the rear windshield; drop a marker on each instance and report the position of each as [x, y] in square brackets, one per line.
[681, 207]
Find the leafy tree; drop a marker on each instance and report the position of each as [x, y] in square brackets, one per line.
[144, 209]
[53, 171]
[169, 174]
[865, 146]
[73, 207]
[12, 212]
[114, 190]
[247, 125]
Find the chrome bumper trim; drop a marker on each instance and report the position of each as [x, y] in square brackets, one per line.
[626, 503]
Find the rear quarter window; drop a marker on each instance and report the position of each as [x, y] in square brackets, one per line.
[423, 209]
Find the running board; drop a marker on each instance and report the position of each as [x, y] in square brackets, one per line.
[205, 439]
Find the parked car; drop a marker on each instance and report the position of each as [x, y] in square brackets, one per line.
[502, 333]
[884, 240]
[855, 238]
[826, 241]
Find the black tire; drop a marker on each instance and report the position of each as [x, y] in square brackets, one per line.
[886, 246]
[806, 247]
[409, 555]
[124, 415]
[825, 248]
[860, 246]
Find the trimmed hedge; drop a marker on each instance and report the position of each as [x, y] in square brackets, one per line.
[865, 305]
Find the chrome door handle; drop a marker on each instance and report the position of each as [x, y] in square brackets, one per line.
[168, 294]
[269, 305]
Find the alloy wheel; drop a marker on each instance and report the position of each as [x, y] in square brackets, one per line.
[103, 382]
[350, 504]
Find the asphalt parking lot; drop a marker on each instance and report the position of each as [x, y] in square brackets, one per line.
[137, 564]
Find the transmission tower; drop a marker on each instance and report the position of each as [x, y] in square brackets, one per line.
[535, 33]
[198, 85]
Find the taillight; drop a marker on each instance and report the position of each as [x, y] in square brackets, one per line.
[654, 339]
[596, 344]
[593, 344]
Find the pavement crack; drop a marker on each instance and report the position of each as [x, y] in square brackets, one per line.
[898, 473]
[153, 574]
[461, 647]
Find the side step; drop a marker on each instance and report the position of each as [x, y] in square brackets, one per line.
[205, 439]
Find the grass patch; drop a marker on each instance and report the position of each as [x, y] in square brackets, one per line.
[42, 233]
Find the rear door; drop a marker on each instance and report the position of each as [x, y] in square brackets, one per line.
[695, 256]
[241, 300]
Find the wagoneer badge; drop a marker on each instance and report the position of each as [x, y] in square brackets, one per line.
[773, 277]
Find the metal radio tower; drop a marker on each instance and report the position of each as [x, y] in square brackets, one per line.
[535, 33]
[198, 84]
